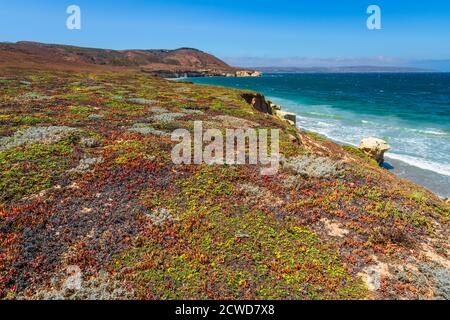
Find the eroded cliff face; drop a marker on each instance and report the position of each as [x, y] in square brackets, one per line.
[259, 102]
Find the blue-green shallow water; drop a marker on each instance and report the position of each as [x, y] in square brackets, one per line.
[410, 111]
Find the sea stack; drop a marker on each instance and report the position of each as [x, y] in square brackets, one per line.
[374, 148]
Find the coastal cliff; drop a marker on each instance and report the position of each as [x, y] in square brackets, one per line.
[93, 207]
[248, 73]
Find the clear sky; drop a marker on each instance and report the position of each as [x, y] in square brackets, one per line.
[241, 29]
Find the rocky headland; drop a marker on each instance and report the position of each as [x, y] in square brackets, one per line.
[178, 63]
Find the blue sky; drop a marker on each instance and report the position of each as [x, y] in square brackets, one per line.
[262, 32]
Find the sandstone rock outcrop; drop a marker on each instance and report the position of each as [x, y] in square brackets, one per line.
[275, 106]
[258, 101]
[288, 116]
[248, 73]
[374, 148]
[292, 138]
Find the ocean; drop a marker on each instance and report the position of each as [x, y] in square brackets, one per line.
[411, 111]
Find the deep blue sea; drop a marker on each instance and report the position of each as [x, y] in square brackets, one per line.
[410, 111]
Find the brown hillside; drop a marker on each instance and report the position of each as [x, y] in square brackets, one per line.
[164, 62]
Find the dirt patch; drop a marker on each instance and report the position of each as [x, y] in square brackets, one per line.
[373, 274]
[334, 229]
[431, 254]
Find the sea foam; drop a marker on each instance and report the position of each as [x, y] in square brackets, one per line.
[421, 163]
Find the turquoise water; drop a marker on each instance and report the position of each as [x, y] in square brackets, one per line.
[410, 111]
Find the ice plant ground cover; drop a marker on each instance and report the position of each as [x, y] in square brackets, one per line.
[233, 147]
[92, 205]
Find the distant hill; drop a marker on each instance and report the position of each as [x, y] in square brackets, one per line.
[179, 62]
[351, 69]
[441, 65]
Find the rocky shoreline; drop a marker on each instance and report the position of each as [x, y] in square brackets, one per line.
[372, 147]
[170, 74]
